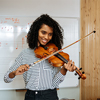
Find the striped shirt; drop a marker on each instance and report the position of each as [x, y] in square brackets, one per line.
[40, 76]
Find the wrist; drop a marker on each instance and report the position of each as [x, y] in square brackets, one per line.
[65, 69]
[14, 73]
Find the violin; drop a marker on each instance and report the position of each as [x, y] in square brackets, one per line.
[56, 60]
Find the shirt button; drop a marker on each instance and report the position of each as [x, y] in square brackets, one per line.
[36, 92]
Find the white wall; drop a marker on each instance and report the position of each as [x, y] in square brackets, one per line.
[55, 8]
[61, 8]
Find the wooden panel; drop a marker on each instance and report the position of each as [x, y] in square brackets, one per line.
[90, 49]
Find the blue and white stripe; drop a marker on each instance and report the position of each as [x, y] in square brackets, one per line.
[40, 76]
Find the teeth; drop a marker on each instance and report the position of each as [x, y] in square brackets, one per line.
[44, 41]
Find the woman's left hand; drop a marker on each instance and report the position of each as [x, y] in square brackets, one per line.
[70, 66]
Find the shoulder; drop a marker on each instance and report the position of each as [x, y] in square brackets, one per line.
[26, 51]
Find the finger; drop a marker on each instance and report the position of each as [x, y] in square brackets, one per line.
[74, 67]
[73, 63]
[67, 66]
[23, 69]
[27, 66]
[70, 62]
[19, 70]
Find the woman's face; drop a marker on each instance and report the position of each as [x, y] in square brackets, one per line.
[45, 34]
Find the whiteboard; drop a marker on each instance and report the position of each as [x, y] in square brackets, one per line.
[13, 34]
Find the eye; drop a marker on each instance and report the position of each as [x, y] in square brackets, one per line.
[43, 32]
[50, 34]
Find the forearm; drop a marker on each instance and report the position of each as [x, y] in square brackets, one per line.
[59, 77]
[12, 74]
[63, 71]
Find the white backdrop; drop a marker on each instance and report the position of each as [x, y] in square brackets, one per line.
[13, 33]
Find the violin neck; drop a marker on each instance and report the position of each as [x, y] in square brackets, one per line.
[61, 58]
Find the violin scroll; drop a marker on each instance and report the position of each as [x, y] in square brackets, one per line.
[81, 75]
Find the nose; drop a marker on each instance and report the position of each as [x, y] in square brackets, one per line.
[46, 36]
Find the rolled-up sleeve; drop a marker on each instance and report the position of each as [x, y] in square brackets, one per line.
[58, 79]
[7, 79]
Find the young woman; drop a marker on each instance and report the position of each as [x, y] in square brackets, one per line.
[42, 79]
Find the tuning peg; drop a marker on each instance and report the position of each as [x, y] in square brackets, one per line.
[75, 73]
[79, 77]
[83, 72]
[80, 69]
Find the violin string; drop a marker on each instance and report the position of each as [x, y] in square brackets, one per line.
[61, 57]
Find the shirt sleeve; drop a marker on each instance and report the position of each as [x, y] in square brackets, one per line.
[17, 63]
[58, 78]
[7, 79]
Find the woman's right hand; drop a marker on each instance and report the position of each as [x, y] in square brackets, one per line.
[19, 71]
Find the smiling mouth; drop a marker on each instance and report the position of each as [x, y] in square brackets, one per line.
[44, 41]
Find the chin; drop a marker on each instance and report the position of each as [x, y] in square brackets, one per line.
[43, 43]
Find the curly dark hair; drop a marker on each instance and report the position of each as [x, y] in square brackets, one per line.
[32, 36]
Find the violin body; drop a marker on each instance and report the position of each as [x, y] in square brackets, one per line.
[40, 52]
